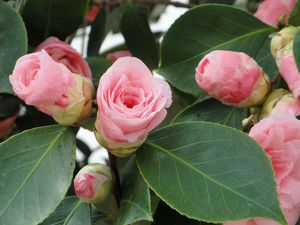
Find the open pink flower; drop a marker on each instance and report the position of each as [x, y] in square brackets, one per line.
[280, 138]
[269, 11]
[63, 53]
[52, 88]
[233, 78]
[131, 102]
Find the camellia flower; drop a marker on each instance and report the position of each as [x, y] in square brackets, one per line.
[280, 138]
[117, 54]
[280, 102]
[282, 50]
[131, 102]
[270, 11]
[63, 53]
[52, 88]
[6, 124]
[94, 183]
[234, 78]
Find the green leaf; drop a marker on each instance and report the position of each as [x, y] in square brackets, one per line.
[71, 211]
[97, 34]
[212, 110]
[135, 204]
[13, 43]
[98, 66]
[36, 169]
[52, 18]
[296, 50]
[204, 29]
[294, 18]
[138, 36]
[210, 172]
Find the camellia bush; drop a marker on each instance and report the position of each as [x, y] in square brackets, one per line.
[199, 121]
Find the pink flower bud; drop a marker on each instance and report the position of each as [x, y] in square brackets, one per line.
[280, 138]
[233, 78]
[94, 183]
[7, 124]
[52, 88]
[118, 54]
[92, 13]
[280, 102]
[63, 53]
[131, 103]
[270, 11]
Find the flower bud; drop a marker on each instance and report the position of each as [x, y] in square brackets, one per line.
[234, 78]
[280, 102]
[7, 124]
[94, 183]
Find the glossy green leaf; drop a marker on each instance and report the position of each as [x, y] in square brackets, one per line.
[97, 34]
[210, 172]
[71, 211]
[212, 110]
[294, 18]
[52, 18]
[296, 50]
[13, 43]
[213, 27]
[135, 204]
[36, 169]
[138, 36]
[98, 66]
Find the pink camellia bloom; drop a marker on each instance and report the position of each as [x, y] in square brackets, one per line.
[92, 13]
[6, 124]
[118, 54]
[63, 53]
[270, 11]
[279, 136]
[233, 78]
[94, 183]
[52, 88]
[280, 102]
[131, 102]
[282, 50]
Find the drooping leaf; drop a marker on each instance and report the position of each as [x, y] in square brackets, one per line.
[212, 27]
[13, 43]
[212, 110]
[296, 50]
[52, 18]
[294, 18]
[135, 204]
[97, 34]
[98, 66]
[71, 211]
[138, 36]
[210, 172]
[36, 170]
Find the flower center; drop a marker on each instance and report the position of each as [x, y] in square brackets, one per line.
[130, 100]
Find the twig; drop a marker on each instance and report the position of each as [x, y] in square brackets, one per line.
[118, 187]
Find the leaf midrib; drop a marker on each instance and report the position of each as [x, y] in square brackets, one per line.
[34, 168]
[265, 30]
[209, 178]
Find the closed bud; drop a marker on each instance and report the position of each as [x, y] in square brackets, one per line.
[234, 78]
[94, 183]
[280, 102]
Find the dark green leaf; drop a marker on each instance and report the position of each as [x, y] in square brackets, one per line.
[138, 36]
[296, 50]
[212, 110]
[294, 18]
[52, 18]
[210, 172]
[229, 2]
[36, 169]
[13, 43]
[212, 27]
[135, 204]
[9, 105]
[71, 211]
[98, 66]
[97, 34]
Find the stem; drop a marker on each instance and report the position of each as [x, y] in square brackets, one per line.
[149, 2]
[118, 187]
